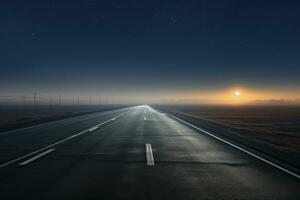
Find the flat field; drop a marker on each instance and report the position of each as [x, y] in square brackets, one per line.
[278, 126]
[12, 117]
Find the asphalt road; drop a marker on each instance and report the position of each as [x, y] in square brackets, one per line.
[132, 153]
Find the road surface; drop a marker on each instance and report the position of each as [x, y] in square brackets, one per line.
[132, 153]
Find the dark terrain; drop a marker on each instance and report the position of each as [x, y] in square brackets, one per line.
[275, 130]
[17, 116]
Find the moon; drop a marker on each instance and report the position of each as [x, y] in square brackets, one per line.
[237, 93]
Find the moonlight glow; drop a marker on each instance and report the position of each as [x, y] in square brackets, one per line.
[237, 93]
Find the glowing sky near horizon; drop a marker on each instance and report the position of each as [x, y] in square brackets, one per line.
[151, 51]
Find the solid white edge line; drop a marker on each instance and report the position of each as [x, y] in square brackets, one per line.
[36, 157]
[149, 155]
[56, 143]
[21, 129]
[29, 127]
[241, 149]
[93, 128]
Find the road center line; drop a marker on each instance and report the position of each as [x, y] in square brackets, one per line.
[240, 148]
[56, 143]
[149, 155]
[36, 157]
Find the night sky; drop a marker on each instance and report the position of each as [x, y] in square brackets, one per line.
[152, 50]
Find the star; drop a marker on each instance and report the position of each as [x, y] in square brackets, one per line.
[173, 20]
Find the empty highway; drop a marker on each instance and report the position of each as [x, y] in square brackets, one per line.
[133, 153]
